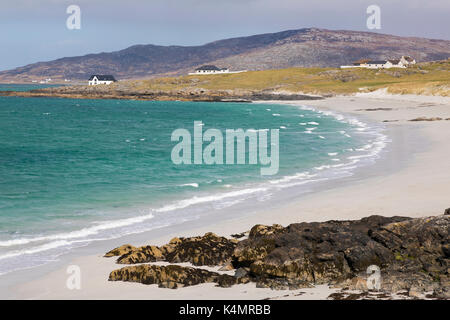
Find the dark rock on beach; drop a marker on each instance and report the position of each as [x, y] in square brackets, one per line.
[209, 250]
[239, 235]
[171, 276]
[174, 276]
[126, 248]
[142, 254]
[426, 119]
[413, 256]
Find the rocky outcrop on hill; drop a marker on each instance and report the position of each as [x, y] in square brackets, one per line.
[413, 255]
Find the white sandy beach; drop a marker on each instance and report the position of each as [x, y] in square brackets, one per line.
[413, 180]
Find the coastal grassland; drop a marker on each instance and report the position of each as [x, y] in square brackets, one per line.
[432, 78]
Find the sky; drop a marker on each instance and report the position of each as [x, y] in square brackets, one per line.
[35, 30]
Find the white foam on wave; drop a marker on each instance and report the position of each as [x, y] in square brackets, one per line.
[301, 175]
[369, 151]
[102, 226]
[44, 247]
[208, 198]
[194, 185]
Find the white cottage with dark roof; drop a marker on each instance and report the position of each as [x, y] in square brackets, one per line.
[210, 69]
[101, 79]
[403, 62]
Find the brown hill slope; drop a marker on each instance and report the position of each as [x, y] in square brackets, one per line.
[293, 48]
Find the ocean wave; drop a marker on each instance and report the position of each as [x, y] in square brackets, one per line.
[208, 198]
[194, 185]
[221, 199]
[107, 225]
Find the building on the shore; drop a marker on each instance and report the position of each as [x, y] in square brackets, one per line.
[101, 79]
[403, 62]
[210, 69]
[45, 81]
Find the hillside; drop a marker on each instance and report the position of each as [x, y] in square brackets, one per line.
[294, 48]
[424, 78]
[428, 78]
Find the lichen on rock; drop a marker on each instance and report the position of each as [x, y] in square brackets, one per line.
[412, 254]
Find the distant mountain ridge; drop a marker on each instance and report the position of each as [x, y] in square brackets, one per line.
[310, 47]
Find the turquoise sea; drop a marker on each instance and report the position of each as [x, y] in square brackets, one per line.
[25, 87]
[77, 171]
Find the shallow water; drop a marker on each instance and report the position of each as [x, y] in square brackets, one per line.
[77, 171]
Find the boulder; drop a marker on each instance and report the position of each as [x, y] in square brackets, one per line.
[209, 249]
[335, 251]
[261, 230]
[119, 251]
[141, 255]
[412, 255]
[171, 276]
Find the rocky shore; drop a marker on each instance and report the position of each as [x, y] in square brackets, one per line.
[413, 256]
[123, 91]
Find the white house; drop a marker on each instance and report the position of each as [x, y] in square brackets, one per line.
[403, 62]
[382, 64]
[101, 79]
[210, 69]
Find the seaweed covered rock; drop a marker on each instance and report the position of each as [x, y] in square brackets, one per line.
[119, 251]
[142, 254]
[209, 249]
[413, 256]
[414, 251]
[171, 276]
[314, 252]
[260, 230]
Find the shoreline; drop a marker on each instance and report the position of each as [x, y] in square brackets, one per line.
[407, 187]
[92, 93]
